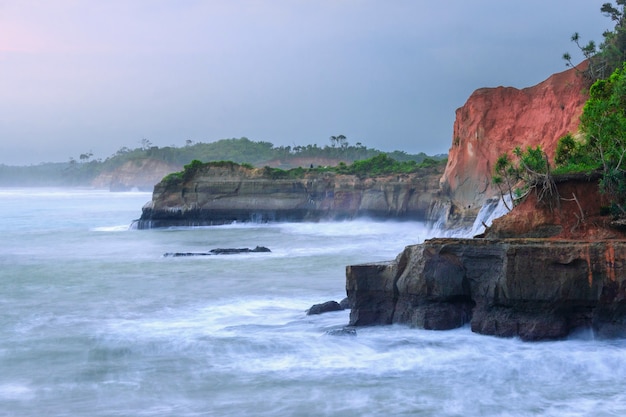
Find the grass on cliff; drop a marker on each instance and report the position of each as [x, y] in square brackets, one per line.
[378, 165]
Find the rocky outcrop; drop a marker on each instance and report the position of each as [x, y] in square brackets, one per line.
[227, 192]
[325, 307]
[140, 174]
[546, 268]
[533, 289]
[496, 120]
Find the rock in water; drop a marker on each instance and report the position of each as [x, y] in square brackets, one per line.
[219, 251]
[324, 308]
[230, 251]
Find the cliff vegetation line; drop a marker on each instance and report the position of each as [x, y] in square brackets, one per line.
[82, 171]
[381, 164]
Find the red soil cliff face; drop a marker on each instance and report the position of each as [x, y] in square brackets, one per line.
[496, 120]
[577, 214]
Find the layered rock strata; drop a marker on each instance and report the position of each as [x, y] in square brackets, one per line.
[533, 289]
[233, 193]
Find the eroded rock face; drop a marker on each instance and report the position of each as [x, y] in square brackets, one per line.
[141, 174]
[496, 120]
[234, 193]
[531, 288]
[576, 212]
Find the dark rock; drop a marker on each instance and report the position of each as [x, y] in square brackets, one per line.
[534, 289]
[219, 251]
[345, 304]
[179, 254]
[230, 251]
[326, 307]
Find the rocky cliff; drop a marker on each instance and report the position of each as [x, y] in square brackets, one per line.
[541, 271]
[141, 174]
[228, 192]
[496, 120]
[532, 289]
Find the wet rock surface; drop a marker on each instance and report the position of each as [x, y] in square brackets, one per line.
[534, 289]
[326, 307]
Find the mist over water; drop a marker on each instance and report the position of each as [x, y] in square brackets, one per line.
[96, 322]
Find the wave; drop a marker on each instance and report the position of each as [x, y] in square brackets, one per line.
[119, 228]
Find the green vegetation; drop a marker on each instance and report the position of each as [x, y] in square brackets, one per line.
[604, 124]
[530, 170]
[382, 164]
[378, 165]
[611, 53]
[601, 146]
[84, 169]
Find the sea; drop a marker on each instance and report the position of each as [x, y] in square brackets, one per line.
[96, 321]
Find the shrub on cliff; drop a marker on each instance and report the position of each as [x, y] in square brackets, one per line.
[277, 173]
[603, 145]
[192, 168]
[530, 171]
[604, 123]
[380, 165]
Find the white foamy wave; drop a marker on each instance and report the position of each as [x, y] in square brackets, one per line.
[491, 210]
[224, 316]
[16, 391]
[355, 228]
[120, 228]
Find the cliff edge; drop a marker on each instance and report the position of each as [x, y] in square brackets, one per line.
[221, 193]
[496, 120]
[540, 272]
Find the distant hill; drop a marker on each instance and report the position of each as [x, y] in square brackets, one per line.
[93, 172]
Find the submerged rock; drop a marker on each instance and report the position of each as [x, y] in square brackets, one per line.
[219, 251]
[344, 331]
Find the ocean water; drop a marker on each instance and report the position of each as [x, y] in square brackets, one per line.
[95, 321]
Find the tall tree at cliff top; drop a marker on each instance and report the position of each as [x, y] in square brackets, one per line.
[611, 53]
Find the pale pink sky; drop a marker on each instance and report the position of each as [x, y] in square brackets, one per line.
[91, 75]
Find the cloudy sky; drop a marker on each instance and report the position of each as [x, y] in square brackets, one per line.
[91, 75]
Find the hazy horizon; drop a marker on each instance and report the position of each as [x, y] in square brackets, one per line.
[97, 76]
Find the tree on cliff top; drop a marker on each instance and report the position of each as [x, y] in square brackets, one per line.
[604, 124]
[603, 148]
[611, 53]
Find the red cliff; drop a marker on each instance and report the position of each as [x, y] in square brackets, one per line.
[496, 120]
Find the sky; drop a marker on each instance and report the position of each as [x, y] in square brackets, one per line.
[80, 76]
